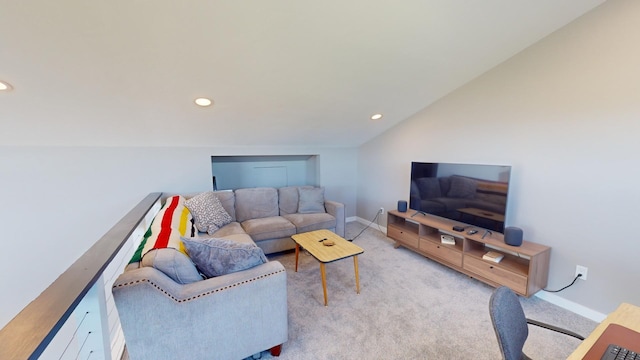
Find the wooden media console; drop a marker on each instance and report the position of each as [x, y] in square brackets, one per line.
[524, 269]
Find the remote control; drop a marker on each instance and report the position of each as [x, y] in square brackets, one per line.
[471, 232]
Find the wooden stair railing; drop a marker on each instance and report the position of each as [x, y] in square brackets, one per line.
[27, 335]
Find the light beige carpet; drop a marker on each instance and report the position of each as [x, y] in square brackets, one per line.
[409, 307]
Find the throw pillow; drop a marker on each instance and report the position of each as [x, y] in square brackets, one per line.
[172, 263]
[462, 187]
[429, 188]
[216, 257]
[288, 200]
[256, 203]
[208, 213]
[311, 200]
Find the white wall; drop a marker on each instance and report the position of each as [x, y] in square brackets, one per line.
[565, 113]
[58, 201]
[251, 171]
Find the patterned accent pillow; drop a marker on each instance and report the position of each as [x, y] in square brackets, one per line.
[216, 257]
[208, 213]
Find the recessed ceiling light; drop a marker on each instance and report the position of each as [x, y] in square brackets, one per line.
[203, 102]
[376, 116]
[5, 86]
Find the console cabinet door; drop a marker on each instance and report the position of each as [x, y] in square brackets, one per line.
[443, 252]
[495, 273]
[408, 238]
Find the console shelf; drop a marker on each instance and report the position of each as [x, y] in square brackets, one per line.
[524, 269]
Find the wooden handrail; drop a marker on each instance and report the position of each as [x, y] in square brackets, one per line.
[27, 335]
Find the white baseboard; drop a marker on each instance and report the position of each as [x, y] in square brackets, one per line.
[368, 223]
[571, 306]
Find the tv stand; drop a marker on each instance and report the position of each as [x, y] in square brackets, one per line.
[524, 269]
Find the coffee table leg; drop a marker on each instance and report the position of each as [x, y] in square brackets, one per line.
[355, 265]
[297, 252]
[324, 283]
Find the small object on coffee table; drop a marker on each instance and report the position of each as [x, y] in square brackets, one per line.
[329, 243]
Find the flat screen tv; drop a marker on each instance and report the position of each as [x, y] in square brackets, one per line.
[473, 194]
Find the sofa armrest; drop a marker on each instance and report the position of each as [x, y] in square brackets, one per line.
[227, 317]
[337, 210]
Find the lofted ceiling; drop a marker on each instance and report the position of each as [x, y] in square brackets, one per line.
[280, 73]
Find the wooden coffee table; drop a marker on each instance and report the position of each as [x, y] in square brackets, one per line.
[312, 242]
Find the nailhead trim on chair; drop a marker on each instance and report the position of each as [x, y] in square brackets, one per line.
[199, 295]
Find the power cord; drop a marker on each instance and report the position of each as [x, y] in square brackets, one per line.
[573, 282]
[366, 227]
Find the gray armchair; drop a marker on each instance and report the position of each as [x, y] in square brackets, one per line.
[228, 317]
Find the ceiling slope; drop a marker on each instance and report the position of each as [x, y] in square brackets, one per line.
[286, 73]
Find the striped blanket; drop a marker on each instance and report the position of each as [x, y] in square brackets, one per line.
[172, 221]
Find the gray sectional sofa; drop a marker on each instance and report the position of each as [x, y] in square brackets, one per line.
[270, 216]
[168, 311]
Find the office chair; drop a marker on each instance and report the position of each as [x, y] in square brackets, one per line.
[510, 324]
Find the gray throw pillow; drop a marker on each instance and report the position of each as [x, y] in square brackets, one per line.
[207, 211]
[256, 203]
[462, 187]
[172, 263]
[288, 199]
[216, 257]
[429, 188]
[311, 200]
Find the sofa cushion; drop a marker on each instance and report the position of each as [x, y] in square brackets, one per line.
[229, 229]
[450, 203]
[268, 228]
[462, 187]
[433, 206]
[235, 232]
[172, 263]
[216, 257]
[414, 190]
[311, 200]
[288, 199]
[485, 205]
[311, 222]
[256, 203]
[239, 238]
[208, 213]
[429, 187]
[228, 200]
[445, 185]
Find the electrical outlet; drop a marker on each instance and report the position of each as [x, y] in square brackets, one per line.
[582, 270]
[381, 211]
